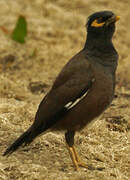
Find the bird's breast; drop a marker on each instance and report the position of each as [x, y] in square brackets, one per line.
[102, 90]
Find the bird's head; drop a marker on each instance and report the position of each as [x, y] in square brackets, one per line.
[102, 23]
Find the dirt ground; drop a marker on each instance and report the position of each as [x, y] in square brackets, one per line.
[56, 31]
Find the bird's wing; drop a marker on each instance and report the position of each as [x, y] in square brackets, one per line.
[73, 81]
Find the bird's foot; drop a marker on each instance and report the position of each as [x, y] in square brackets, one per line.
[75, 158]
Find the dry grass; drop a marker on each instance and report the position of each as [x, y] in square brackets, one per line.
[56, 31]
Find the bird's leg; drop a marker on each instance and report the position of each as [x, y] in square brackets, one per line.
[80, 163]
[72, 155]
[69, 136]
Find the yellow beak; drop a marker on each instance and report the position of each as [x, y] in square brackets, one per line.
[117, 18]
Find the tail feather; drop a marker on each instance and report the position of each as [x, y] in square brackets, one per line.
[23, 139]
[26, 138]
[36, 129]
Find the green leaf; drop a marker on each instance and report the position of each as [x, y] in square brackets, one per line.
[20, 31]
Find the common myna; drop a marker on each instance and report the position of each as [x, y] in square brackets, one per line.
[83, 89]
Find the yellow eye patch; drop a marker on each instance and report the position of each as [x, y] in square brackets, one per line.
[96, 24]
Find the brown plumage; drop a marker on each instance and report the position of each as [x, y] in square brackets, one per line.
[83, 89]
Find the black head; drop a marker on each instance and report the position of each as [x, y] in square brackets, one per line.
[102, 23]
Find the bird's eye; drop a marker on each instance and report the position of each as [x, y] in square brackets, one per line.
[99, 22]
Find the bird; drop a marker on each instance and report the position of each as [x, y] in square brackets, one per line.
[83, 89]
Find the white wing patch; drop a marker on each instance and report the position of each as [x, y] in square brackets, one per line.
[71, 104]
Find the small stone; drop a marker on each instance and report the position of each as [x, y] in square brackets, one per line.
[37, 87]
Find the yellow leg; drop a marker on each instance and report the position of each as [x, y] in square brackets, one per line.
[75, 158]
[80, 163]
[72, 155]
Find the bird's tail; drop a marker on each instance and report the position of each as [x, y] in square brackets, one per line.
[26, 138]
[36, 129]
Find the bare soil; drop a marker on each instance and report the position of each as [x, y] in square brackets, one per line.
[56, 31]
